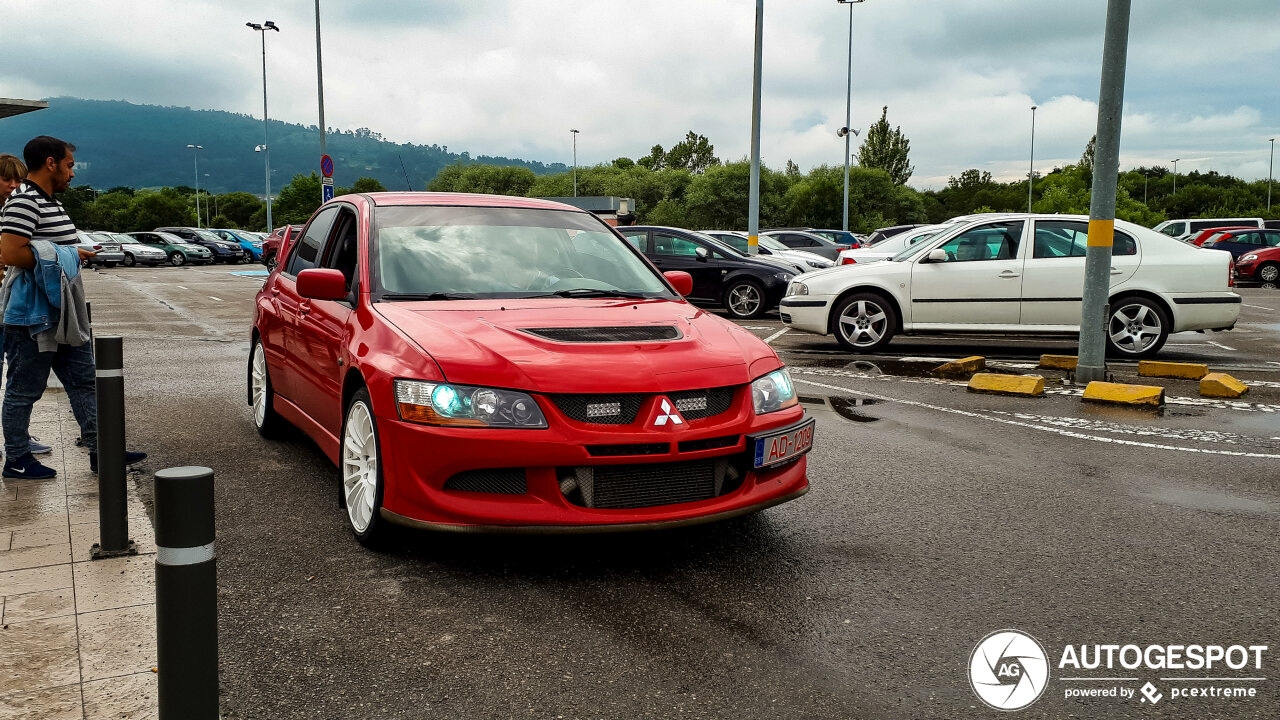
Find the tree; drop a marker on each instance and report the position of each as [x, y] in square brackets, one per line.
[297, 200]
[695, 153]
[367, 185]
[887, 150]
[240, 207]
[490, 179]
[655, 160]
[1086, 160]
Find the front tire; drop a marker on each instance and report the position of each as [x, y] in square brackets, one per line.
[864, 322]
[1269, 273]
[744, 299]
[361, 471]
[262, 396]
[129, 260]
[177, 259]
[1137, 328]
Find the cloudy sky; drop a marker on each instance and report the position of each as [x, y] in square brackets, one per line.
[511, 78]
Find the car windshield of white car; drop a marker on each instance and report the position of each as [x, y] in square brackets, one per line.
[456, 252]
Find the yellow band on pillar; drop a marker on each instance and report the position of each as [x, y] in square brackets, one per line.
[1102, 233]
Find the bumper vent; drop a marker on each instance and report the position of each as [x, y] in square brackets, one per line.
[506, 481]
[624, 333]
[616, 409]
[631, 449]
[709, 443]
[697, 404]
[621, 487]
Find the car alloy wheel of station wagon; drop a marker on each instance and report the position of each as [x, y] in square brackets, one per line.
[1137, 327]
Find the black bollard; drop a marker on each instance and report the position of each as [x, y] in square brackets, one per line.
[113, 510]
[186, 595]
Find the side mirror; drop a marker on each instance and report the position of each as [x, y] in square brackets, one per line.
[680, 280]
[322, 284]
[937, 255]
[702, 254]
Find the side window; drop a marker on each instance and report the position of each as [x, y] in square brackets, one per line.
[343, 254]
[636, 239]
[1060, 238]
[997, 241]
[306, 252]
[1271, 239]
[1124, 245]
[669, 245]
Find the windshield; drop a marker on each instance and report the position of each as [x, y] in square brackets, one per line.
[466, 252]
[206, 235]
[910, 252]
[772, 244]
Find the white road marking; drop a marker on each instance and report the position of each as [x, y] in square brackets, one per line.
[1043, 428]
[180, 287]
[776, 335]
[215, 298]
[757, 327]
[1218, 344]
[1257, 307]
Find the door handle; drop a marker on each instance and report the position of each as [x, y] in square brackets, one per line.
[1116, 271]
[1009, 274]
[304, 307]
[275, 291]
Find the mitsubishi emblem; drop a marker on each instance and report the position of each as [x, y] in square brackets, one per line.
[668, 413]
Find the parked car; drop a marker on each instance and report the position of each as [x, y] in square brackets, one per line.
[136, 253]
[1199, 238]
[890, 246]
[746, 287]
[1241, 241]
[770, 247]
[808, 242]
[179, 251]
[220, 250]
[1018, 274]
[250, 246]
[840, 237]
[1260, 264]
[278, 242]
[1187, 228]
[108, 251]
[484, 363]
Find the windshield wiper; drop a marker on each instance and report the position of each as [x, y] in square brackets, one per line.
[596, 293]
[428, 296]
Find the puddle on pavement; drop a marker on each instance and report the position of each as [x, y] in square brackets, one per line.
[850, 408]
[1208, 501]
[900, 368]
[1122, 412]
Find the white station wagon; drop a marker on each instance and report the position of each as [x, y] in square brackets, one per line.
[1018, 274]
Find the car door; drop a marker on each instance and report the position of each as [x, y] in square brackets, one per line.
[322, 329]
[289, 305]
[980, 282]
[674, 252]
[1053, 272]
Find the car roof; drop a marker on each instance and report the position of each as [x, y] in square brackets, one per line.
[466, 200]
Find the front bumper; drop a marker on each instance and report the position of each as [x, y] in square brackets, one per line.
[419, 460]
[810, 313]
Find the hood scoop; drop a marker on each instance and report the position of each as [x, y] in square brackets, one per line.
[609, 333]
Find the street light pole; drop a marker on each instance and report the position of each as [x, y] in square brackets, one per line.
[848, 118]
[1031, 173]
[575, 162]
[264, 148]
[1270, 166]
[195, 153]
[753, 192]
[320, 90]
[1175, 175]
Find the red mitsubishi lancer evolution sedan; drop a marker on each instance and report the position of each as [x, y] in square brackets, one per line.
[486, 363]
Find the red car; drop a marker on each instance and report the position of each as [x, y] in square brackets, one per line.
[1262, 265]
[477, 362]
[1199, 238]
[277, 243]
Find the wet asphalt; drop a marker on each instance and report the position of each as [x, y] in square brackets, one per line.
[936, 516]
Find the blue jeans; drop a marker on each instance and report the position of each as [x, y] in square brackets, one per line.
[29, 374]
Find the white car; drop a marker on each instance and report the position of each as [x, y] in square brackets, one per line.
[890, 246]
[136, 253]
[804, 261]
[1019, 274]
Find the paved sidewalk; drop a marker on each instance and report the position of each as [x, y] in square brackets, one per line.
[77, 637]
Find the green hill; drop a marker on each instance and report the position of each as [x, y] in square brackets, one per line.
[119, 143]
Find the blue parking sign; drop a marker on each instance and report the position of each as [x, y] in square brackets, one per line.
[328, 192]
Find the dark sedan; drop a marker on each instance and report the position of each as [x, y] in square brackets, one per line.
[744, 286]
[221, 250]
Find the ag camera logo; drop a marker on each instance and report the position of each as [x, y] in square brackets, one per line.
[1008, 670]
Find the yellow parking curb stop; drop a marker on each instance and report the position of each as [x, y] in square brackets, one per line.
[1222, 385]
[1123, 394]
[999, 384]
[1058, 362]
[1188, 371]
[962, 367]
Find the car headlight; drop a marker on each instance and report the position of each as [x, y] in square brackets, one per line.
[466, 405]
[1249, 258]
[797, 288]
[818, 263]
[773, 392]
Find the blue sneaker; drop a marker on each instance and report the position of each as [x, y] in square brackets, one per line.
[26, 466]
[129, 459]
[37, 447]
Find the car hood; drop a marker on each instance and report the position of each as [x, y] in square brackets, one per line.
[487, 342]
[840, 271]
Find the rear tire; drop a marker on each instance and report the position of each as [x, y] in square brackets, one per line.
[744, 299]
[864, 322]
[1137, 328]
[362, 482]
[129, 261]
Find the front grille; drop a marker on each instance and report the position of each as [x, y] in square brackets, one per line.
[507, 481]
[616, 409]
[709, 443]
[628, 449]
[624, 333]
[620, 487]
[698, 404]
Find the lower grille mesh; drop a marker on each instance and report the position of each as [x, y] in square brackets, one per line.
[507, 481]
[620, 487]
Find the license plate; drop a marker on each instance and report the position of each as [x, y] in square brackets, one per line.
[777, 448]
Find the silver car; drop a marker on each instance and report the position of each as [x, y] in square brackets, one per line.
[108, 252]
[136, 253]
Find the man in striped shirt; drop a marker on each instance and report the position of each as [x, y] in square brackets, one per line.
[32, 215]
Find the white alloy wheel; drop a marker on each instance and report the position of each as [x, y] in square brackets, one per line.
[1269, 273]
[360, 466]
[1137, 328]
[258, 387]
